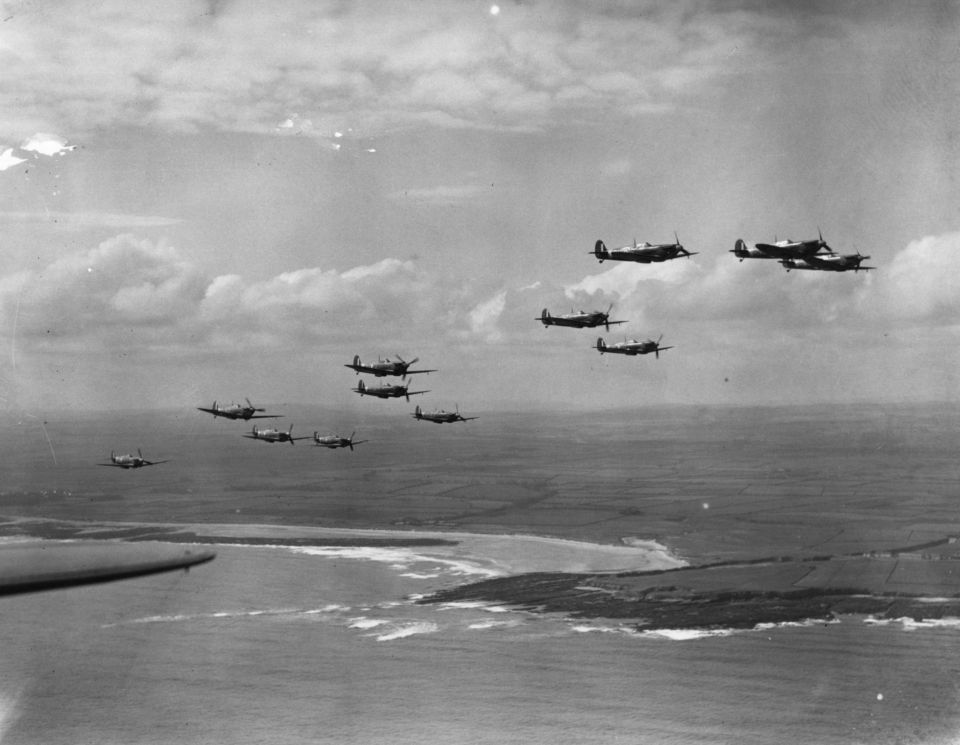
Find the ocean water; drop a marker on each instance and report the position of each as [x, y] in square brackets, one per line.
[275, 644]
[326, 645]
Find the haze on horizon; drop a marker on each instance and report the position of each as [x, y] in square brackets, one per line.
[218, 200]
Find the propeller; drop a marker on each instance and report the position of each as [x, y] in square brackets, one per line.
[350, 441]
[823, 243]
[656, 350]
[406, 365]
[290, 435]
[606, 317]
[253, 407]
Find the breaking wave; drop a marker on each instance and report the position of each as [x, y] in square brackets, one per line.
[403, 559]
[219, 615]
[399, 630]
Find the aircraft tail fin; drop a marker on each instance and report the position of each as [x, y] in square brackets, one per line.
[418, 412]
[600, 251]
[361, 387]
[739, 248]
[601, 345]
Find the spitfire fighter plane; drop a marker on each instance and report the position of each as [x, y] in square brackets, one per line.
[236, 411]
[131, 461]
[581, 320]
[836, 263]
[632, 347]
[335, 441]
[387, 391]
[787, 249]
[441, 417]
[274, 435]
[381, 368]
[643, 253]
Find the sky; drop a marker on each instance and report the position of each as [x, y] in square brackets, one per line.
[218, 200]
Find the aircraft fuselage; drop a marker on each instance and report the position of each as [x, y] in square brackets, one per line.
[644, 253]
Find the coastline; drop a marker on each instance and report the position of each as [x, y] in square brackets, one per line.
[505, 553]
[639, 583]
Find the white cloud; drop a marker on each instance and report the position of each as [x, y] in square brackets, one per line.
[47, 144]
[485, 317]
[922, 283]
[9, 160]
[624, 278]
[140, 295]
[245, 68]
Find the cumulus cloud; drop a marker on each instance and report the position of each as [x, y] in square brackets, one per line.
[46, 144]
[179, 66]
[140, 295]
[9, 160]
[485, 317]
[40, 143]
[922, 283]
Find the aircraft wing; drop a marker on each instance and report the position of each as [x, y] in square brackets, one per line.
[415, 372]
[264, 416]
[215, 412]
[46, 565]
[153, 462]
[414, 393]
[468, 418]
[612, 323]
[114, 465]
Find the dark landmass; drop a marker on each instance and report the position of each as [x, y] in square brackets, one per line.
[894, 584]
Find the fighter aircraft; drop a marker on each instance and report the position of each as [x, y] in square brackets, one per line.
[833, 263]
[131, 461]
[787, 249]
[581, 320]
[381, 367]
[236, 411]
[644, 253]
[439, 416]
[335, 441]
[632, 347]
[274, 435]
[387, 391]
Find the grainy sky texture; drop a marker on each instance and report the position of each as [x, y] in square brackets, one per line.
[228, 199]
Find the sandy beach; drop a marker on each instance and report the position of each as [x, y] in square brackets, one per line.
[503, 554]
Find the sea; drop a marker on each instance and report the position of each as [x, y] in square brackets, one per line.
[328, 644]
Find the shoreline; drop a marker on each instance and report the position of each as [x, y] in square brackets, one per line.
[509, 553]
